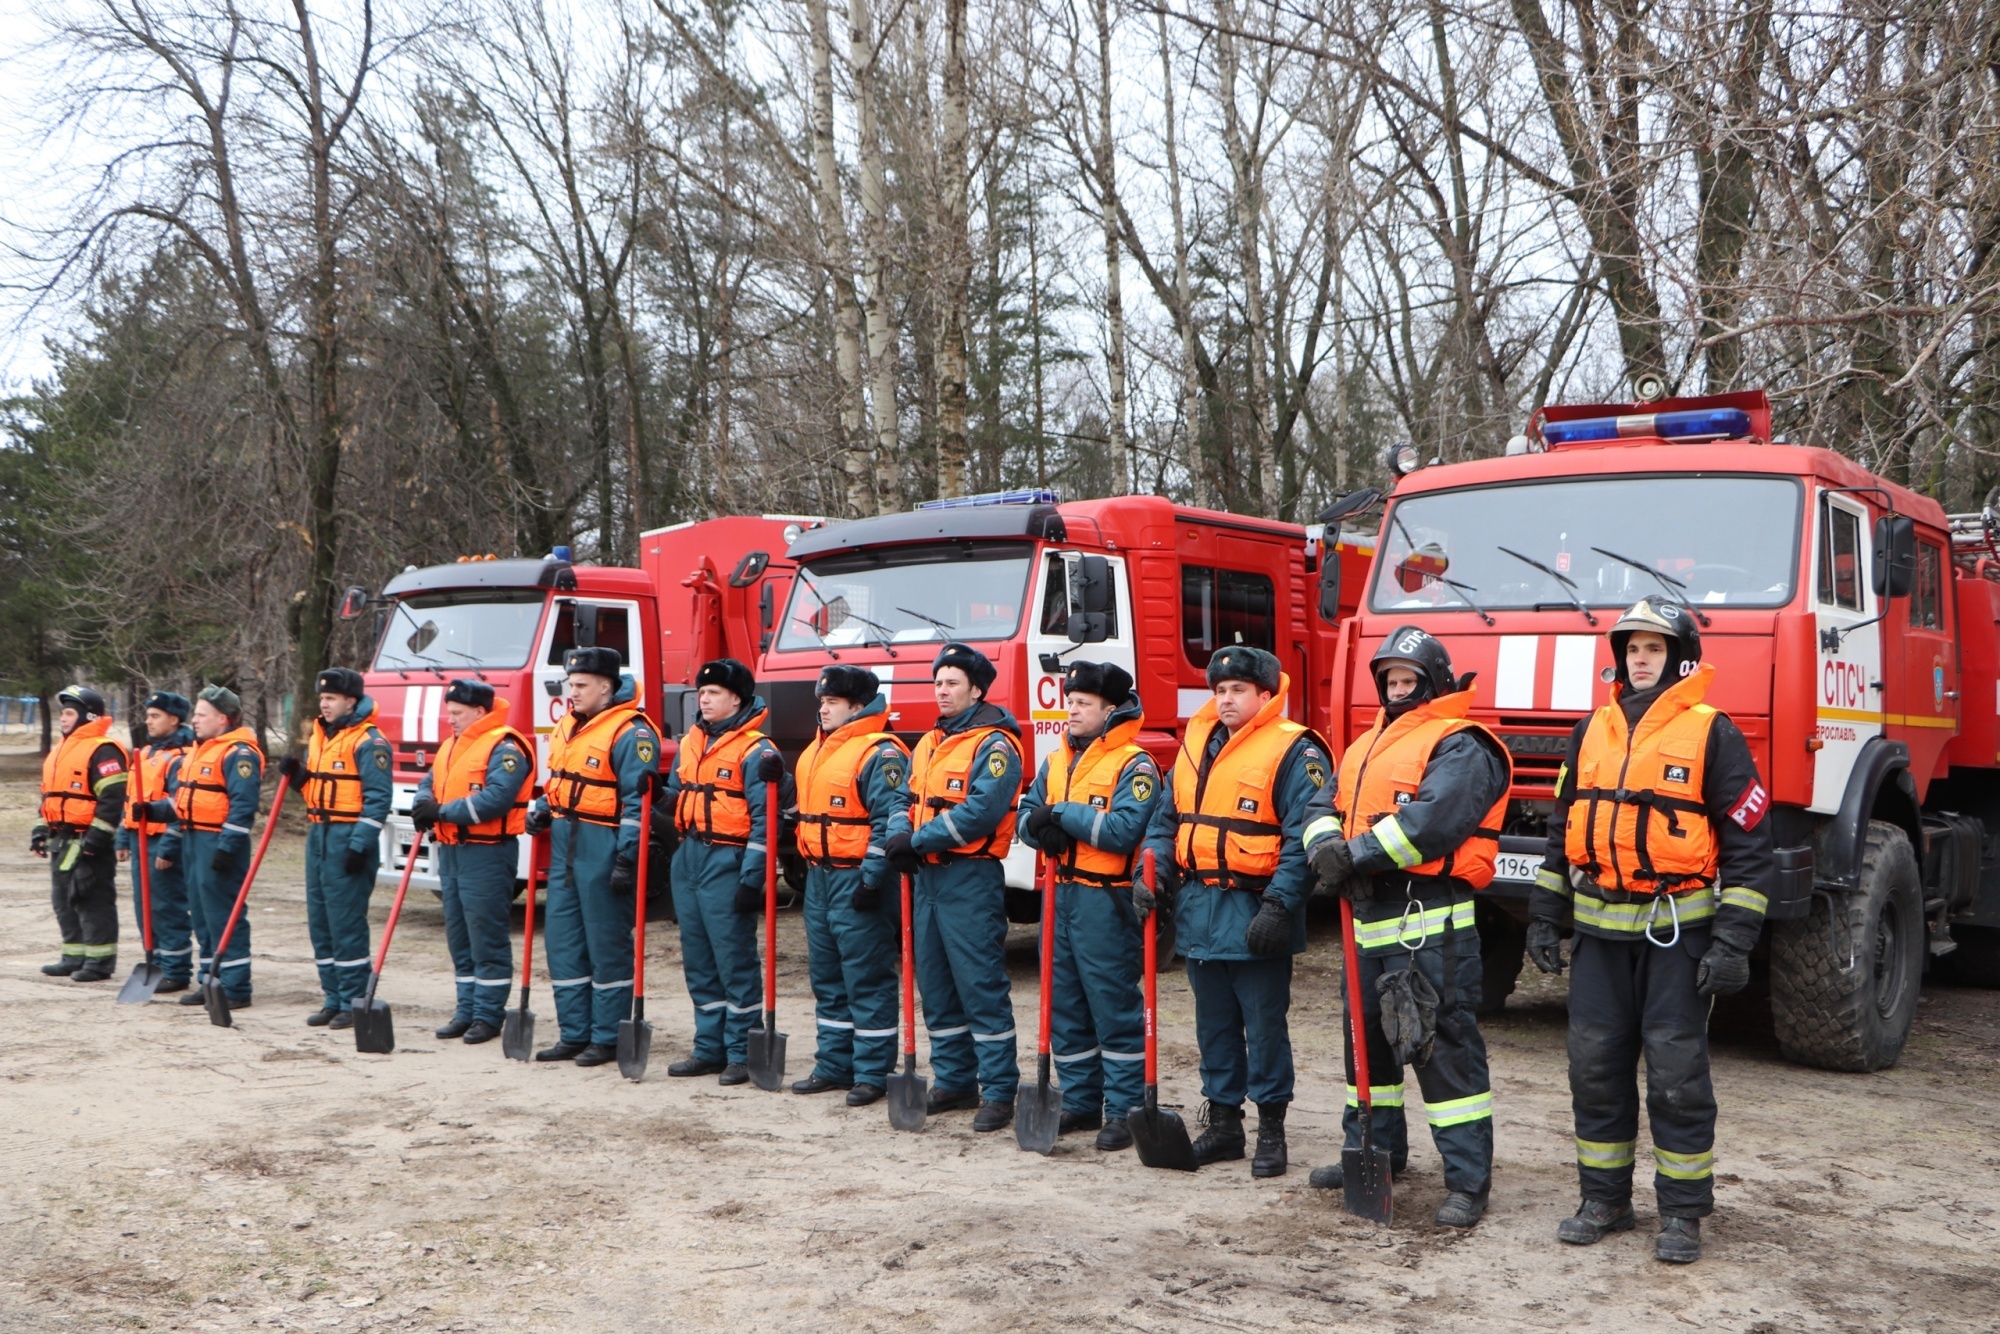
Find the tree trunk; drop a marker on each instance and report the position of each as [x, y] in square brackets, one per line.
[955, 255]
[1184, 301]
[882, 355]
[1114, 296]
[1246, 169]
[854, 451]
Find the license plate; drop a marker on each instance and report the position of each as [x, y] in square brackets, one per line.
[1516, 866]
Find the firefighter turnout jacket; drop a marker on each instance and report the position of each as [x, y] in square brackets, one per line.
[83, 781]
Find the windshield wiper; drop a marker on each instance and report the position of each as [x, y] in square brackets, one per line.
[404, 608]
[1676, 589]
[1568, 587]
[1462, 590]
[813, 630]
[882, 632]
[944, 631]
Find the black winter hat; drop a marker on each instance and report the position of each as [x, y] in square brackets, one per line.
[1106, 680]
[166, 701]
[730, 674]
[604, 662]
[84, 700]
[465, 690]
[857, 685]
[977, 667]
[341, 681]
[1240, 662]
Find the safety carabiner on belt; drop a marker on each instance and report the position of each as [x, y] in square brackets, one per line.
[1674, 910]
[1411, 905]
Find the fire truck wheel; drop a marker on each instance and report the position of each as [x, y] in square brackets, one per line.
[1976, 961]
[1503, 944]
[1844, 990]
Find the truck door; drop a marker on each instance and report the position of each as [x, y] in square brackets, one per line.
[1921, 708]
[605, 623]
[1050, 647]
[1849, 680]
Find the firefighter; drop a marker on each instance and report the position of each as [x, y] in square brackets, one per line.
[851, 798]
[158, 763]
[1088, 809]
[1409, 830]
[1229, 823]
[965, 783]
[474, 803]
[215, 806]
[83, 800]
[1659, 847]
[718, 791]
[347, 790]
[602, 756]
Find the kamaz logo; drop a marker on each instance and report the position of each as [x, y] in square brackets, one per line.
[1519, 743]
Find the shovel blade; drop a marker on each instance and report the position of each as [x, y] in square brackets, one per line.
[139, 987]
[1038, 1118]
[635, 1048]
[909, 1100]
[1161, 1137]
[766, 1059]
[218, 1005]
[374, 1029]
[517, 1034]
[1365, 1182]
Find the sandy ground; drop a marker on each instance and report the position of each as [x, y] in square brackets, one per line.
[157, 1172]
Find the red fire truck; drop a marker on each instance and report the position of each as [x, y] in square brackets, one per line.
[1853, 627]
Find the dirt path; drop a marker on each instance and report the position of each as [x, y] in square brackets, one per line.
[162, 1173]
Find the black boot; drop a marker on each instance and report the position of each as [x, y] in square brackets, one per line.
[1461, 1208]
[597, 1053]
[321, 1017]
[692, 1066]
[96, 970]
[562, 1051]
[1679, 1242]
[455, 1029]
[64, 966]
[1116, 1135]
[1223, 1140]
[1070, 1122]
[1593, 1219]
[1270, 1159]
[993, 1116]
[941, 1101]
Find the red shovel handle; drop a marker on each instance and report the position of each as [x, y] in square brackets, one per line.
[1048, 950]
[250, 877]
[1356, 1029]
[145, 867]
[528, 932]
[396, 908]
[909, 976]
[1152, 977]
[770, 900]
[639, 909]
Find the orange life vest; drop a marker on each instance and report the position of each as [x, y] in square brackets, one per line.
[713, 802]
[1092, 778]
[201, 797]
[582, 781]
[460, 771]
[941, 778]
[834, 820]
[69, 784]
[1637, 822]
[149, 783]
[333, 773]
[1229, 831]
[1383, 769]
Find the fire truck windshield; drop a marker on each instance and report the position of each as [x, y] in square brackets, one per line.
[1601, 541]
[490, 628]
[902, 595]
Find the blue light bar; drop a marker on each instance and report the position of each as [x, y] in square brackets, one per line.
[1039, 495]
[1692, 425]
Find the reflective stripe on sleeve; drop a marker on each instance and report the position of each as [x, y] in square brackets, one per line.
[1555, 882]
[1735, 897]
[1606, 1154]
[1684, 1166]
[1397, 844]
[1458, 1111]
[1326, 824]
[1381, 1095]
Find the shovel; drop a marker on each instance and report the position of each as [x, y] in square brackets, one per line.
[635, 1035]
[374, 1026]
[211, 988]
[1364, 1171]
[145, 979]
[517, 1027]
[767, 1044]
[1157, 1132]
[1038, 1118]
[909, 1092]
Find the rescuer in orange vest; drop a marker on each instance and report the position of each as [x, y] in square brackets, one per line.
[1660, 850]
[215, 806]
[851, 796]
[602, 756]
[474, 802]
[168, 740]
[717, 791]
[1088, 809]
[83, 798]
[345, 780]
[965, 782]
[1229, 825]
[1408, 830]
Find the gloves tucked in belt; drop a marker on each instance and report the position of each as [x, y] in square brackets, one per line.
[355, 862]
[222, 861]
[624, 877]
[749, 899]
[293, 768]
[1545, 945]
[899, 854]
[1333, 863]
[1723, 971]
[538, 819]
[1270, 930]
[770, 767]
[96, 842]
[867, 897]
[1048, 833]
[424, 811]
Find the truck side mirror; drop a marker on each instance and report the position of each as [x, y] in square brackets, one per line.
[1329, 582]
[1895, 557]
[1089, 600]
[749, 568]
[767, 613]
[353, 602]
[583, 625]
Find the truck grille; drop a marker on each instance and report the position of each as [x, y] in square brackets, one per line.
[1538, 745]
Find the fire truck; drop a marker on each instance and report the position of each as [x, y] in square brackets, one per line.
[1852, 623]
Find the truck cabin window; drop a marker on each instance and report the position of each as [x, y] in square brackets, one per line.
[908, 595]
[1840, 559]
[468, 630]
[1222, 607]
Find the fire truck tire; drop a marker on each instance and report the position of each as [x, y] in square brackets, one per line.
[1839, 1017]
[1976, 961]
[1502, 950]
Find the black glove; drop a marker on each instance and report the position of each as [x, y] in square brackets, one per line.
[1143, 899]
[222, 862]
[624, 878]
[355, 862]
[899, 854]
[96, 842]
[424, 811]
[1723, 971]
[749, 899]
[161, 810]
[292, 767]
[38, 841]
[538, 819]
[770, 767]
[1545, 949]
[1049, 835]
[867, 897]
[1270, 930]
[1333, 862]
